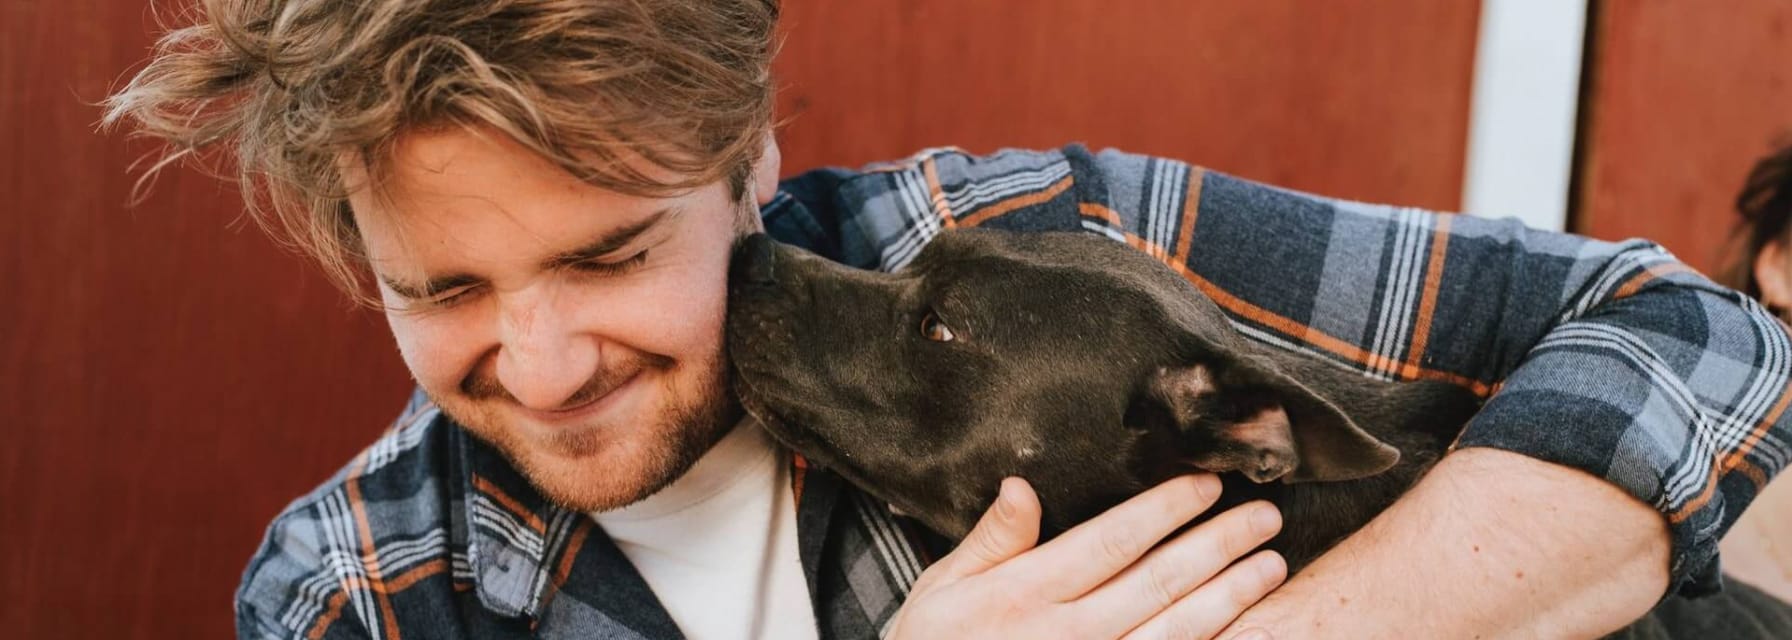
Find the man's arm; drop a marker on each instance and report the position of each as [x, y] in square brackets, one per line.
[1611, 359]
[1491, 544]
[1604, 363]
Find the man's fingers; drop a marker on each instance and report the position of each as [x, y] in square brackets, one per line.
[1009, 528]
[1177, 567]
[1092, 552]
[1208, 610]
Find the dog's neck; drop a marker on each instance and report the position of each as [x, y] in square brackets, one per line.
[1418, 418]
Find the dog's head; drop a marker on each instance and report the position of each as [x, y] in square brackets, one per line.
[1086, 367]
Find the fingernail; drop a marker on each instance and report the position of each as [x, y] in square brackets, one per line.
[1005, 499]
[1265, 520]
[1271, 568]
[1208, 485]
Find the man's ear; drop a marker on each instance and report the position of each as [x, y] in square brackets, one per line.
[765, 172]
[1255, 420]
[1773, 274]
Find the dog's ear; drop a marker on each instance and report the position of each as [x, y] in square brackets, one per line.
[1251, 418]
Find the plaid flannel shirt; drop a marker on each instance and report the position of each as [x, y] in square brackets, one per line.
[1608, 357]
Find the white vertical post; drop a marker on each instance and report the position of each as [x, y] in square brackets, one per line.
[1522, 116]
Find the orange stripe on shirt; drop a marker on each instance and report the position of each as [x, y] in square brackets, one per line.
[937, 195]
[1735, 457]
[408, 578]
[1761, 428]
[1098, 210]
[1434, 276]
[1285, 326]
[510, 504]
[563, 567]
[370, 557]
[1637, 281]
[799, 469]
[1697, 501]
[332, 611]
[1191, 207]
[1015, 202]
[1753, 473]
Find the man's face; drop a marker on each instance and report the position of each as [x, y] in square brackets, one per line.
[576, 329]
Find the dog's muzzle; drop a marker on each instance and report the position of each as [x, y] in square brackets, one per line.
[754, 258]
[761, 310]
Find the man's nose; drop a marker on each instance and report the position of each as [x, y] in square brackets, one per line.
[544, 355]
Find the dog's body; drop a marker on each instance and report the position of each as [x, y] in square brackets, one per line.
[1086, 367]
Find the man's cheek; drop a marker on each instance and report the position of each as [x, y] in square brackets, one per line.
[436, 358]
[689, 296]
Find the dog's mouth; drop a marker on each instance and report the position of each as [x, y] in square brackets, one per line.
[816, 448]
[781, 428]
[754, 337]
[786, 426]
[761, 331]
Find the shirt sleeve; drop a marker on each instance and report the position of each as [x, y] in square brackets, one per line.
[289, 589]
[1612, 358]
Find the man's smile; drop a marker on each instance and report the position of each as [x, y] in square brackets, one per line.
[606, 407]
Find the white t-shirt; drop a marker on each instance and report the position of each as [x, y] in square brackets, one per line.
[718, 546]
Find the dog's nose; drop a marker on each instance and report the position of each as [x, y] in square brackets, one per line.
[754, 256]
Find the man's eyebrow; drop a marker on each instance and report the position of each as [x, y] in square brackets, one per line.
[430, 288]
[611, 242]
[604, 245]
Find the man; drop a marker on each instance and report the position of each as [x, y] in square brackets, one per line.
[543, 195]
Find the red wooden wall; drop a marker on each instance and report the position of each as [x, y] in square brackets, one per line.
[169, 379]
[1683, 99]
[1366, 100]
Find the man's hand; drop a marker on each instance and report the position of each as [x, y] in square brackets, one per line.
[1106, 578]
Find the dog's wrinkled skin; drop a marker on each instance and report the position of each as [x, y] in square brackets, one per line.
[1086, 367]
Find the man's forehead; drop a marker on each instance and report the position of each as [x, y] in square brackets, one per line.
[445, 151]
[431, 165]
[426, 170]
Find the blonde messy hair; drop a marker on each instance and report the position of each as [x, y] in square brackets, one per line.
[291, 86]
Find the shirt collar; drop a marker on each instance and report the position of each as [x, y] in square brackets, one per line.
[516, 539]
[520, 546]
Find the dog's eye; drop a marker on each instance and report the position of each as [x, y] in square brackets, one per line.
[935, 329]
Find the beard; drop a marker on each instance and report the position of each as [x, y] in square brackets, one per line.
[608, 462]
